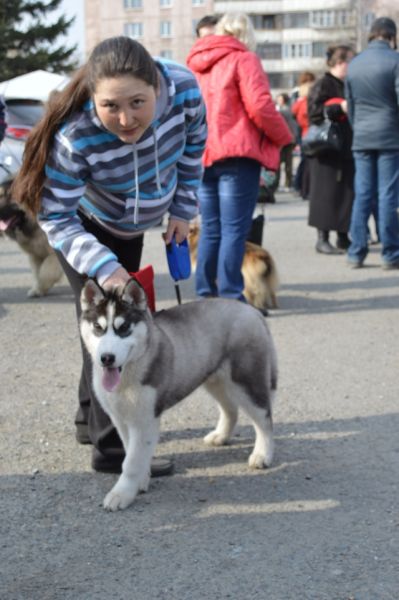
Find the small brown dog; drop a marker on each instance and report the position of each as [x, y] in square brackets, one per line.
[258, 269]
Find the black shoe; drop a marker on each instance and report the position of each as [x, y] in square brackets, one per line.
[82, 434]
[343, 241]
[324, 247]
[112, 463]
[388, 266]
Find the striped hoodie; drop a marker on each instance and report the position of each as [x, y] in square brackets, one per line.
[124, 188]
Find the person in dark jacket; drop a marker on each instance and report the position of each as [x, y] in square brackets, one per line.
[372, 91]
[287, 151]
[299, 109]
[3, 124]
[331, 174]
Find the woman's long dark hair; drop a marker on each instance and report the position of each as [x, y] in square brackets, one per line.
[113, 57]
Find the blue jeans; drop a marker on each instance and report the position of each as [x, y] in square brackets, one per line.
[227, 198]
[376, 176]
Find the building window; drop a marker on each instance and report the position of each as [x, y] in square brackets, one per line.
[133, 3]
[264, 21]
[133, 30]
[342, 17]
[282, 80]
[165, 3]
[165, 29]
[369, 18]
[319, 49]
[297, 50]
[167, 54]
[330, 18]
[198, 2]
[295, 20]
[269, 51]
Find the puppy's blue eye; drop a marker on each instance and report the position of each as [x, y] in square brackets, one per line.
[97, 328]
[124, 328]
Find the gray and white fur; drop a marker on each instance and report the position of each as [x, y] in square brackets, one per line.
[143, 364]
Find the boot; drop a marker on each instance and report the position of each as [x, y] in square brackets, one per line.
[343, 241]
[323, 245]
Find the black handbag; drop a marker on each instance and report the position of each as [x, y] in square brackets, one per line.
[323, 138]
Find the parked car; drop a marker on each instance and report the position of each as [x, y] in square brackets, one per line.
[21, 116]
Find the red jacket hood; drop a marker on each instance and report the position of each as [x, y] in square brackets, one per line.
[241, 116]
[207, 51]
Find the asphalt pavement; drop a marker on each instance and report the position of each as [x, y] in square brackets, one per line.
[321, 524]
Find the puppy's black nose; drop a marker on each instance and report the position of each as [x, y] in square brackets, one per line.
[107, 360]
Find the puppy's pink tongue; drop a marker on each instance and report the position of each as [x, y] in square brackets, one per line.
[111, 378]
[4, 225]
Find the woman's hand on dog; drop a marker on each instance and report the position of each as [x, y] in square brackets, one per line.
[117, 279]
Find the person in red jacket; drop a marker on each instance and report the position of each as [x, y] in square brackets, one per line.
[245, 131]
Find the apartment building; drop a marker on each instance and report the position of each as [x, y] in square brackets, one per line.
[292, 35]
[165, 27]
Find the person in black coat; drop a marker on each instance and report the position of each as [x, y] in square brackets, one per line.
[332, 174]
[3, 124]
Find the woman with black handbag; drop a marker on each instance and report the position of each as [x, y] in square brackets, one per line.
[331, 171]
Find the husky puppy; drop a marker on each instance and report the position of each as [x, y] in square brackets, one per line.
[258, 270]
[24, 229]
[143, 364]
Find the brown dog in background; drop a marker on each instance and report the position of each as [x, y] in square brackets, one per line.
[258, 269]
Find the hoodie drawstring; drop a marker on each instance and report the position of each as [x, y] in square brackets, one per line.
[136, 183]
[158, 179]
[136, 177]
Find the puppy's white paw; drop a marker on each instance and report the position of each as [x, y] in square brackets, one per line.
[145, 483]
[34, 293]
[215, 439]
[262, 460]
[121, 496]
[258, 461]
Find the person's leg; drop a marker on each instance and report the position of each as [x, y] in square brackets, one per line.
[305, 182]
[299, 174]
[374, 212]
[388, 194]
[288, 165]
[343, 241]
[238, 191]
[209, 241]
[365, 190]
[323, 245]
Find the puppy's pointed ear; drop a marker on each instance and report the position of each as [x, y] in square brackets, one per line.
[91, 294]
[133, 293]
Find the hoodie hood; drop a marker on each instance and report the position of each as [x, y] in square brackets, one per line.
[207, 51]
